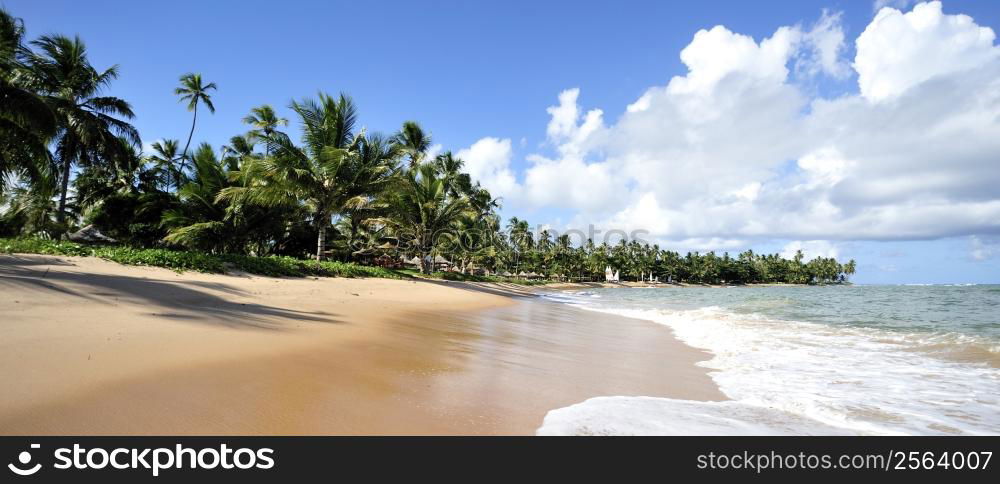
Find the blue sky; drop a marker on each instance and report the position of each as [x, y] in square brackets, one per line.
[470, 70]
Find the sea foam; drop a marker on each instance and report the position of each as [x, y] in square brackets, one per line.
[800, 378]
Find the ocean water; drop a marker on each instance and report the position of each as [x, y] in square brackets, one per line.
[868, 360]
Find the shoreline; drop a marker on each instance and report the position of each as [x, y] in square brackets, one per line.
[645, 285]
[93, 347]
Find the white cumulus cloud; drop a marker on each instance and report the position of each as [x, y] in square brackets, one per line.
[898, 51]
[735, 150]
[488, 162]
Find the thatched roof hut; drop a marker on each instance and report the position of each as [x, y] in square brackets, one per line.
[90, 235]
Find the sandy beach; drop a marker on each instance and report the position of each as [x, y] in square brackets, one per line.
[93, 347]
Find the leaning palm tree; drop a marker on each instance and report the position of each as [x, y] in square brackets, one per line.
[89, 126]
[264, 123]
[424, 213]
[194, 92]
[413, 142]
[26, 122]
[329, 172]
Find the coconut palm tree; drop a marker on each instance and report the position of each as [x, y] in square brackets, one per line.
[26, 122]
[850, 268]
[239, 147]
[98, 182]
[424, 213]
[374, 168]
[166, 160]
[521, 240]
[264, 123]
[330, 172]
[483, 202]
[205, 220]
[450, 167]
[199, 221]
[413, 142]
[28, 210]
[194, 92]
[88, 124]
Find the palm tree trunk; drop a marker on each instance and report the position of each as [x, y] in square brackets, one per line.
[320, 242]
[194, 120]
[267, 143]
[61, 214]
[355, 226]
[427, 262]
[425, 266]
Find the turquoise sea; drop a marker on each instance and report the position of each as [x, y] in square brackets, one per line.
[853, 359]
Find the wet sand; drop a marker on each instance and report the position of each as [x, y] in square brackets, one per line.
[92, 347]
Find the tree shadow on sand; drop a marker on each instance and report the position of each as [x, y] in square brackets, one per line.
[190, 301]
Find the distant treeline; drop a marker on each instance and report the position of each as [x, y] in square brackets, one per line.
[634, 261]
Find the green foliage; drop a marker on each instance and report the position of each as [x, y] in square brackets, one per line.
[43, 246]
[274, 266]
[132, 218]
[424, 213]
[92, 129]
[27, 122]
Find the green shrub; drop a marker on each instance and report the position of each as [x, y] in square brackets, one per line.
[177, 260]
[43, 246]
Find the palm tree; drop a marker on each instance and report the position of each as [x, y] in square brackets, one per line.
[194, 92]
[850, 268]
[521, 240]
[329, 172]
[203, 219]
[374, 167]
[164, 157]
[424, 212]
[26, 122]
[28, 210]
[451, 168]
[472, 242]
[89, 127]
[483, 202]
[413, 142]
[199, 221]
[99, 182]
[265, 123]
[239, 147]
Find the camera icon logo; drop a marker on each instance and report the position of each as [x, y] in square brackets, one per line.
[25, 458]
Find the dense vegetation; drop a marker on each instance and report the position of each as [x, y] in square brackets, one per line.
[180, 260]
[262, 203]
